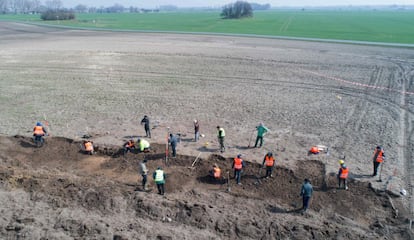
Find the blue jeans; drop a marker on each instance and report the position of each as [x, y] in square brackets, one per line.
[269, 171]
[306, 200]
[174, 151]
[237, 175]
[197, 136]
[38, 138]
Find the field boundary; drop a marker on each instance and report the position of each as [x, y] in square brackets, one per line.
[368, 43]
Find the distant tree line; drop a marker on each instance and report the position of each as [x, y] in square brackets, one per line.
[37, 6]
[259, 7]
[51, 8]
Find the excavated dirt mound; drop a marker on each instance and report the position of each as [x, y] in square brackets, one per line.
[57, 192]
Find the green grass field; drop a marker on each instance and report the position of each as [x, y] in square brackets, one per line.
[372, 26]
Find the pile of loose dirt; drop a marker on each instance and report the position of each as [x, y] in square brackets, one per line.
[57, 192]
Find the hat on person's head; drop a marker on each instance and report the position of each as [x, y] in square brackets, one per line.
[239, 155]
[343, 166]
[269, 154]
[38, 124]
[341, 162]
[379, 147]
[159, 168]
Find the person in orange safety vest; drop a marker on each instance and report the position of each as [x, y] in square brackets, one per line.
[39, 131]
[215, 173]
[88, 146]
[238, 165]
[269, 162]
[379, 157]
[318, 149]
[343, 176]
[128, 146]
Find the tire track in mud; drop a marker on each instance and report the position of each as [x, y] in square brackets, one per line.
[353, 122]
[406, 131]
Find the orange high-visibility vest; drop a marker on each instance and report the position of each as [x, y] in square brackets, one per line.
[88, 146]
[269, 161]
[130, 144]
[238, 163]
[380, 157]
[314, 150]
[38, 130]
[344, 173]
[217, 172]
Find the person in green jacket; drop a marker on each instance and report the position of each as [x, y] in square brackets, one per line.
[159, 177]
[261, 130]
[220, 135]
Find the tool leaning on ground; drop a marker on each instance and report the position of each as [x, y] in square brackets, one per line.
[258, 181]
[250, 139]
[228, 181]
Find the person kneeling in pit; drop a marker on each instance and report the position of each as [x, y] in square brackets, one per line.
[88, 147]
[128, 146]
[215, 173]
[143, 145]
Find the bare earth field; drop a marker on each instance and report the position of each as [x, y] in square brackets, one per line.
[348, 97]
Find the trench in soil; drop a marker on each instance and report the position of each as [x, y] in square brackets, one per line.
[68, 177]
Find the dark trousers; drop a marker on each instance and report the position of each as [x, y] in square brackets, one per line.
[38, 138]
[306, 200]
[269, 171]
[126, 149]
[147, 131]
[174, 150]
[160, 187]
[144, 180]
[257, 141]
[376, 165]
[342, 181]
[237, 175]
[221, 142]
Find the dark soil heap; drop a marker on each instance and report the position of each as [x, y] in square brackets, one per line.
[57, 192]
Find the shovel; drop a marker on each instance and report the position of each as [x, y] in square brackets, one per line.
[228, 181]
[250, 139]
[259, 176]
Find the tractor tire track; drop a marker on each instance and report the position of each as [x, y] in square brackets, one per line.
[406, 131]
[353, 121]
